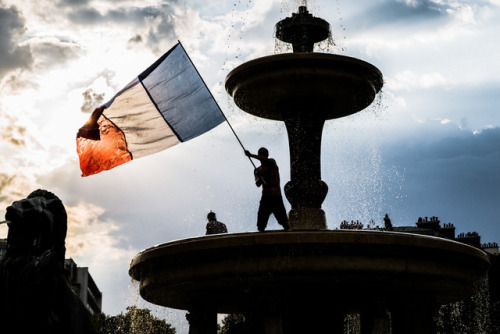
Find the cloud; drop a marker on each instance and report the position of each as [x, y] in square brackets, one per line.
[91, 100]
[6, 182]
[151, 25]
[130, 15]
[13, 55]
[445, 174]
[474, 106]
[137, 39]
[91, 237]
[392, 12]
[408, 80]
[161, 27]
[480, 145]
[64, 3]
[53, 51]
[12, 132]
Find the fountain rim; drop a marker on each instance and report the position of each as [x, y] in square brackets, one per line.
[281, 86]
[303, 57]
[379, 238]
[305, 261]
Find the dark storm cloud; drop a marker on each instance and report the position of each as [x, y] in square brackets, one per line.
[87, 15]
[162, 29]
[396, 11]
[456, 178]
[482, 146]
[12, 55]
[74, 2]
[426, 148]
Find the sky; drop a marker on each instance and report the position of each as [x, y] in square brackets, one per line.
[429, 145]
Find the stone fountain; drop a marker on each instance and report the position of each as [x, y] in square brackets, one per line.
[309, 279]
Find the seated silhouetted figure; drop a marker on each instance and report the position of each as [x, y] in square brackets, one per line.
[214, 226]
[34, 294]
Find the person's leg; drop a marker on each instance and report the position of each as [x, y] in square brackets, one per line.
[263, 214]
[280, 212]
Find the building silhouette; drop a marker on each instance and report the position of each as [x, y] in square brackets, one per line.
[83, 285]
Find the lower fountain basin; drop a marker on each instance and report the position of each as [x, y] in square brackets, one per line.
[317, 84]
[236, 273]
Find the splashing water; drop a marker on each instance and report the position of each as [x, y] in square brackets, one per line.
[352, 324]
[340, 45]
[315, 9]
[176, 318]
[362, 185]
[328, 45]
[282, 47]
[468, 316]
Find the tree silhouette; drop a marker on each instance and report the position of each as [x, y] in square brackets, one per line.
[134, 321]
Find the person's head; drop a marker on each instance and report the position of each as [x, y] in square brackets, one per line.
[263, 151]
[211, 216]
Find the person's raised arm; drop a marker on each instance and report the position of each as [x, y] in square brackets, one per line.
[256, 156]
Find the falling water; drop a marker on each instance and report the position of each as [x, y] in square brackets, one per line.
[353, 167]
[176, 318]
[470, 316]
[352, 324]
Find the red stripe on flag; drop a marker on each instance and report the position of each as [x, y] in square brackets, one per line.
[108, 152]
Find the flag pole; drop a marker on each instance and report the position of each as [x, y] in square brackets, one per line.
[225, 118]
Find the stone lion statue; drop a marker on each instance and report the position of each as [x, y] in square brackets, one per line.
[34, 294]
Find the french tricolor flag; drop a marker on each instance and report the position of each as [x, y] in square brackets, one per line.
[165, 105]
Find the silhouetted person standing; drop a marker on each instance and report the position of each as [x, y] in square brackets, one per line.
[387, 223]
[267, 175]
[214, 226]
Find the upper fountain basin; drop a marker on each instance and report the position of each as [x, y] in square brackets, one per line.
[319, 85]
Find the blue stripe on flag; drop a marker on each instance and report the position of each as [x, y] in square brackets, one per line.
[181, 96]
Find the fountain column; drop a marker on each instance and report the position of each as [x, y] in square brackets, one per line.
[305, 191]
